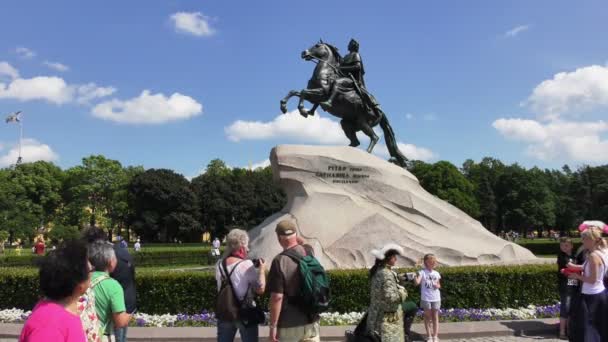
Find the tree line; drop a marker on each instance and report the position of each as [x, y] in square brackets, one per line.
[511, 197]
[162, 205]
[154, 204]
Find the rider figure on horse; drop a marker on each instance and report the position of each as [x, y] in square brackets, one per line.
[352, 70]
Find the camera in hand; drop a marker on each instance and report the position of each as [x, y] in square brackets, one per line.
[409, 276]
[256, 262]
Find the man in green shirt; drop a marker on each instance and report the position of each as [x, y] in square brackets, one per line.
[109, 295]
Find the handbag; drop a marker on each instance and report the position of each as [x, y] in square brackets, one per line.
[361, 334]
[251, 316]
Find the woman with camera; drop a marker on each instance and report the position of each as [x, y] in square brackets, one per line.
[246, 278]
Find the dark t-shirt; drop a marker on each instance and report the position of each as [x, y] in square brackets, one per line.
[565, 284]
[124, 273]
[285, 278]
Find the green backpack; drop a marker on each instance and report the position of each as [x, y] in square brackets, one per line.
[314, 296]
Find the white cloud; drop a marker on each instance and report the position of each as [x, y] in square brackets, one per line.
[56, 66]
[85, 93]
[52, 89]
[409, 116]
[291, 126]
[559, 140]
[514, 32]
[262, 164]
[8, 70]
[31, 151]
[521, 129]
[24, 52]
[194, 23]
[149, 108]
[411, 152]
[571, 92]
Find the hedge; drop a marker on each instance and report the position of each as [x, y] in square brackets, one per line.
[545, 247]
[191, 292]
[163, 256]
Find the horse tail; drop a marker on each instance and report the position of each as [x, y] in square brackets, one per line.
[391, 143]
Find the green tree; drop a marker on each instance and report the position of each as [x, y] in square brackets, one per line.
[589, 192]
[97, 191]
[217, 167]
[445, 181]
[215, 195]
[164, 207]
[484, 177]
[63, 233]
[526, 200]
[235, 197]
[560, 184]
[19, 215]
[41, 183]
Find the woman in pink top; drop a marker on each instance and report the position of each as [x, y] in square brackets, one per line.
[64, 276]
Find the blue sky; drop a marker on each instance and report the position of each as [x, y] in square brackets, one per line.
[175, 84]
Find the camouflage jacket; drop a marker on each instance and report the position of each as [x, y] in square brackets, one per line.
[385, 315]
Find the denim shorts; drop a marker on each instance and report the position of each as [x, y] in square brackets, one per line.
[565, 300]
[430, 305]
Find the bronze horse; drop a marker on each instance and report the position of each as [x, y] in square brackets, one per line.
[347, 105]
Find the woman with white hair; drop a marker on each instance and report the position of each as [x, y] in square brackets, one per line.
[247, 277]
[588, 321]
[385, 315]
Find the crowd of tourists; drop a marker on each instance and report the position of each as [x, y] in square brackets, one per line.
[89, 292]
[582, 288]
[294, 308]
[88, 289]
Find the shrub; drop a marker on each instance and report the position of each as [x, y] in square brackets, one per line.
[160, 256]
[191, 291]
[545, 247]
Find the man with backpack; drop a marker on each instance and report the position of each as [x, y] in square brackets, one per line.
[299, 289]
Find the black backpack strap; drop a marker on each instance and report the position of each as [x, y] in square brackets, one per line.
[224, 268]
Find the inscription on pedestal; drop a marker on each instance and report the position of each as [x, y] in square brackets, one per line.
[343, 174]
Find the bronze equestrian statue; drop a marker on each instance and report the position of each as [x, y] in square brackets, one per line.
[338, 86]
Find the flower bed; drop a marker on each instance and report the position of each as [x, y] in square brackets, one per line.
[207, 319]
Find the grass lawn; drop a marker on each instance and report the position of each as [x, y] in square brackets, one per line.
[543, 241]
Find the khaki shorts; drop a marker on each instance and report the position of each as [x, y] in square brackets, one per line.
[303, 333]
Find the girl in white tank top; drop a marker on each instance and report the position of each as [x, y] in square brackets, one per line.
[591, 288]
[589, 314]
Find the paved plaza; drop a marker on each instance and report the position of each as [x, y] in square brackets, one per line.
[480, 339]
[505, 339]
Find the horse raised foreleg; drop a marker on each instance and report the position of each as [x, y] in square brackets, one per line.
[312, 96]
[313, 109]
[291, 94]
[301, 107]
